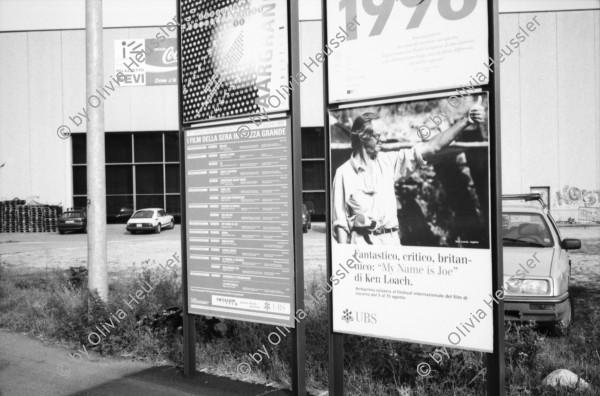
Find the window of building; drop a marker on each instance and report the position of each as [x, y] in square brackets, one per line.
[142, 171]
[313, 171]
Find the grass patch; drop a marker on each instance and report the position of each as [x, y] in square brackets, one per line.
[58, 306]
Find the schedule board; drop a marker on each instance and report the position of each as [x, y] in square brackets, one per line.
[398, 47]
[239, 222]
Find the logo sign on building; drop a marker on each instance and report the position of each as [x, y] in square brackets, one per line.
[405, 46]
[239, 210]
[146, 61]
[235, 59]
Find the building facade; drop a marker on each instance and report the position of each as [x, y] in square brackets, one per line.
[550, 101]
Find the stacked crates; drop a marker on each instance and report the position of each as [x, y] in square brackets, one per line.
[16, 216]
[10, 218]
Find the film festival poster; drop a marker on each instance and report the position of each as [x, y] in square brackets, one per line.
[415, 222]
[234, 58]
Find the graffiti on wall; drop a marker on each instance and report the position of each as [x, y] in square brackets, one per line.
[578, 196]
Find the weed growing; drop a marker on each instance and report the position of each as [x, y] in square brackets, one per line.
[58, 307]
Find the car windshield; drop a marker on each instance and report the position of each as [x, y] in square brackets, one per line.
[71, 215]
[143, 214]
[525, 229]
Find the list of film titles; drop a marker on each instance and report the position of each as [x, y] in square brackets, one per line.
[240, 211]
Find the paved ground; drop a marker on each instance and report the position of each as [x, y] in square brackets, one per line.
[26, 253]
[27, 367]
[31, 252]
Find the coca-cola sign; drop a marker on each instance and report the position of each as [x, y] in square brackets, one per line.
[146, 61]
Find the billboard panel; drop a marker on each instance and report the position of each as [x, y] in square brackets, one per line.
[410, 214]
[234, 58]
[239, 214]
[146, 61]
[399, 47]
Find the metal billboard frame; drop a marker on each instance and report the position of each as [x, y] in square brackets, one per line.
[495, 365]
[298, 375]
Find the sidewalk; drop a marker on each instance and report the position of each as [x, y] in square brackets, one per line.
[28, 367]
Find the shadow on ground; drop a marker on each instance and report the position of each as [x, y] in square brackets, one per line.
[169, 381]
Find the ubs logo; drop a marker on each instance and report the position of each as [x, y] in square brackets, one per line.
[361, 317]
[347, 316]
[366, 318]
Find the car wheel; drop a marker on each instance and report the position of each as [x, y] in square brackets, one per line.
[132, 232]
[310, 225]
[61, 232]
[158, 229]
[304, 229]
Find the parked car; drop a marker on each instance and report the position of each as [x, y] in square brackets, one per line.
[306, 219]
[310, 206]
[73, 220]
[150, 219]
[124, 215]
[537, 266]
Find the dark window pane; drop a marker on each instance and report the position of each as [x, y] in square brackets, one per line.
[149, 201]
[79, 180]
[318, 201]
[118, 148]
[149, 179]
[174, 206]
[79, 202]
[172, 175]
[78, 145]
[172, 146]
[119, 179]
[313, 143]
[119, 208]
[148, 147]
[313, 175]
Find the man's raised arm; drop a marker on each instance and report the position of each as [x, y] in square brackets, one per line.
[475, 116]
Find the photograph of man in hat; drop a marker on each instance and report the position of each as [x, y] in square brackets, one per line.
[364, 209]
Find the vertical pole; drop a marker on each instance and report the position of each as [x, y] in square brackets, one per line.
[189, 322]
[96, 176]
[336, 341]
[298, 332]
[495, 360]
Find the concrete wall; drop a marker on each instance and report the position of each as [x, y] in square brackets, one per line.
[550, 89]
[42, 84]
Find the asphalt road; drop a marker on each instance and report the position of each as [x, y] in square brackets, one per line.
[28, 367]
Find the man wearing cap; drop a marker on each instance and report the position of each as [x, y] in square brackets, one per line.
[364, 199]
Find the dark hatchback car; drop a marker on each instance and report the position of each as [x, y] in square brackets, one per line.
[72, 220]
